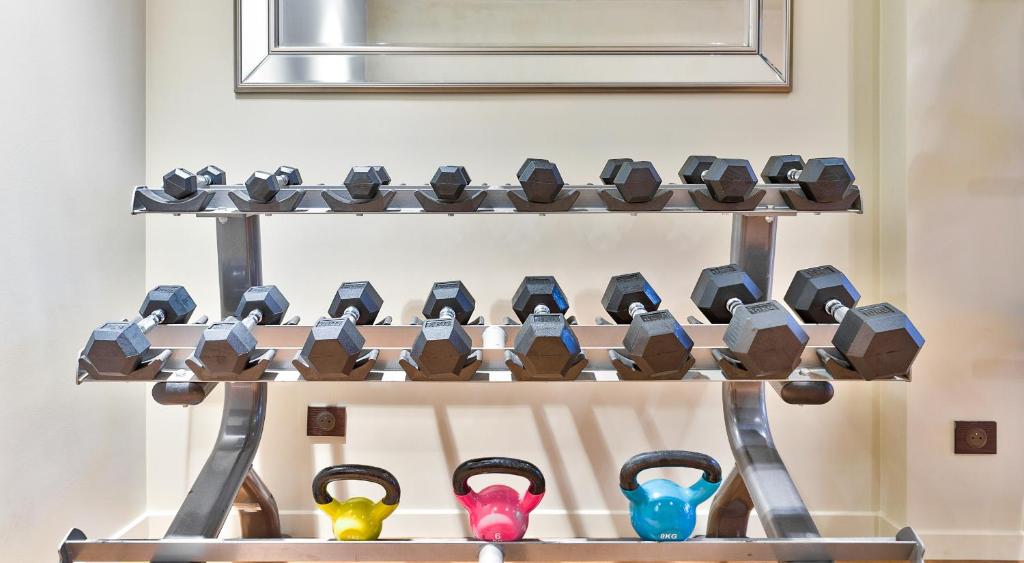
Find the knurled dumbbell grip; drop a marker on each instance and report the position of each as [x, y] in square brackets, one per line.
[351, 315]
[732, 304]
[446, 313]
[835, 308]
[636, 309]
[793, 175]
[150, 321]
[541, 309]
[252, 319]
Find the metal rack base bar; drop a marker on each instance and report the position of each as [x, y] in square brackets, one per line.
[905, 547]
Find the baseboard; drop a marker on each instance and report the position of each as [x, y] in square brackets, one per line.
[960, 545]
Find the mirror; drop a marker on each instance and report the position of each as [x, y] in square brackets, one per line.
[341, 45]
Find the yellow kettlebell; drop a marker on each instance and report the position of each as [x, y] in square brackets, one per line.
[358, 518]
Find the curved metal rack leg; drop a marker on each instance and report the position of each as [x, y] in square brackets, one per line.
[214, 491]
[759, 480]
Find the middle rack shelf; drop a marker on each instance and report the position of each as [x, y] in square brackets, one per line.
[492, 341]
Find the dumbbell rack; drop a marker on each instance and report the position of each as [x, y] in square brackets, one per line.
[758, 482]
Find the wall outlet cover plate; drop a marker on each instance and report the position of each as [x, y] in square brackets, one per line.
[974, 437]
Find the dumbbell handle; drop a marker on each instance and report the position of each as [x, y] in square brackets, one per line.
[541, 309]
[252, 319]
[205, 179]
[732, 304]
[351, 314]
[835, 308]
[793, 175]
[150, 321]
[446, 313]
[283, 179]
[636, 309]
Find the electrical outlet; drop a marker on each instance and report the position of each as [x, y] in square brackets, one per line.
[326, 421]
[974, 437]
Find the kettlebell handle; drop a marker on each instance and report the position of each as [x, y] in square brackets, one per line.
[511, 466]
[383, 477]
[668, 458]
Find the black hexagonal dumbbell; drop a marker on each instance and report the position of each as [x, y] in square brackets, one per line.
[636, 181]
[729, 180]
[449, 182]
[226, 348]
[540, 179]
[877, 341]
[180, 183]
[443, 349]
[364, 182]
[823, 180]
[262, 187]
[762, 335]
[334, 345]
[655, 343]
[120, 348]
[545, 347]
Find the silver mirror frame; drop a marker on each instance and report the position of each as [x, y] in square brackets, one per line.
[263, 67]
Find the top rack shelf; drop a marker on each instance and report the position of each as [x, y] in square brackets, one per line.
[232, 200]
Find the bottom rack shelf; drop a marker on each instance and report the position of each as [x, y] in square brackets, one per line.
[906, 546]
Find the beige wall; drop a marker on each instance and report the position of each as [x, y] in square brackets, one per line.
[925, 99]
[71, 143]
[579, 434]
[962, 180]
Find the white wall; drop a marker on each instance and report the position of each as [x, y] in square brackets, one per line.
[71, 145]
[960, 184]
[578, 434]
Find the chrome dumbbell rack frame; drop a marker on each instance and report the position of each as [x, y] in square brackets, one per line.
[759, 480]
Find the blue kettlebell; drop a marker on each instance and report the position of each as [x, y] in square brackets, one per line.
[661, 510]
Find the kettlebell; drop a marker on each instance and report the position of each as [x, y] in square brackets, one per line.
[358, 518]
[497, 513]
[661, 510]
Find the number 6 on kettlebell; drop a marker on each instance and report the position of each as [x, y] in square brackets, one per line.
[358, 518]
[661, 510]
[496, 513]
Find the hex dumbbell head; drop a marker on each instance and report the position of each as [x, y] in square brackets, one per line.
[765, 338]
[730, 180]
[268, 299]
[658, 342]
[637, 181]
[216, 176]
[546, 345]
[363, 182]
[180, 183]
[539, 290]
[116, 347]
[333, 346]
[382, 173]
[174, 300]
[716, 286]
[623, 291]
[450, 294]
[226, 347]
[879, 341]
[291, 173]
[442, 347]
[694, 166]
[812, 288]
[778, 167]
[263, 186]
[611, 169]
[449, 182]
[541, 180]
[360, 295]
[826, 180]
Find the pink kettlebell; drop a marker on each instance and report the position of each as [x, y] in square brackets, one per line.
[497, 513]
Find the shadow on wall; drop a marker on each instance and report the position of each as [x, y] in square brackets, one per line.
[577, 439]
